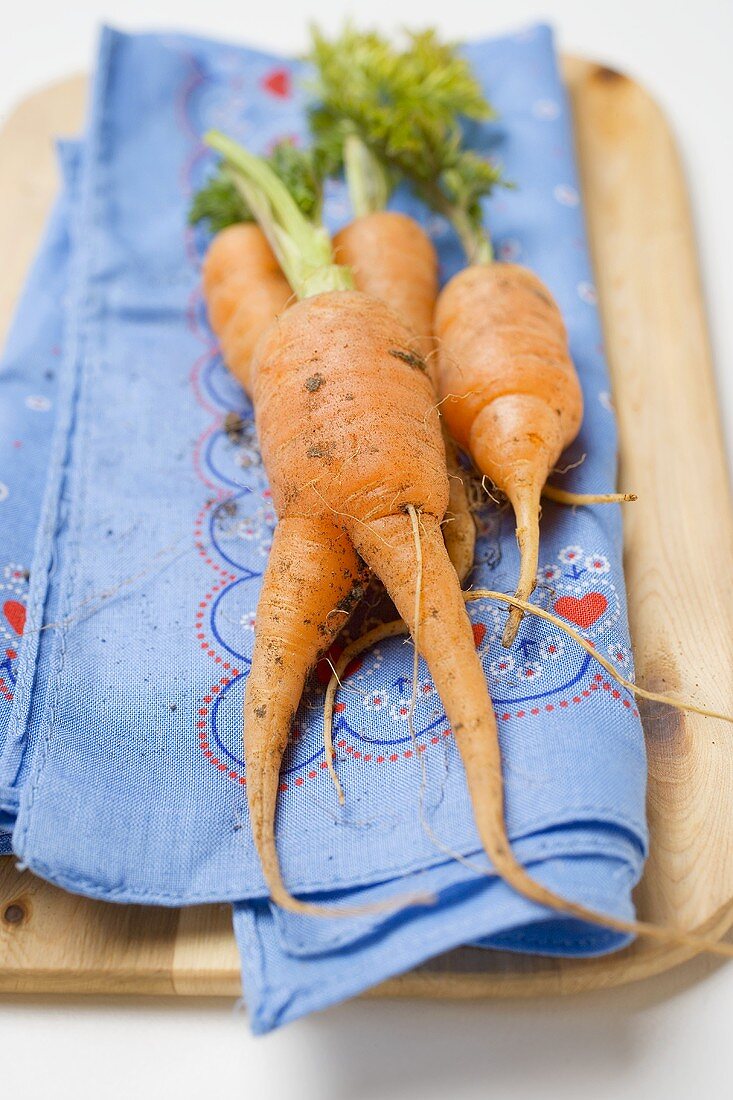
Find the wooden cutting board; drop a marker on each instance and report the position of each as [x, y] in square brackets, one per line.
[678, 553]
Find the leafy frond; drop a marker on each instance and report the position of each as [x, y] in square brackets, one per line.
[220, 203]
[300, 242]
[407, 105]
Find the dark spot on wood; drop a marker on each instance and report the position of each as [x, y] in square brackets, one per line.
[314, 382]
[14, 913]
[316, 451]
[604, 73]
[348, 397]
[410, 357]
[261, 711]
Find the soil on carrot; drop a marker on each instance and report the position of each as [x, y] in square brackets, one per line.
[234, 427]
[410, 357]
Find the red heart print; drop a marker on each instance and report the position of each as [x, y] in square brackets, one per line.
[479, 633]
[14, 612]
[583, 612]
[277, 83]
[324, 668]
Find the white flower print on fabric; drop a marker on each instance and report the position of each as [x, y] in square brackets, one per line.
[571, 554]
[566, 195]
[37, 402]
[503, 666]
[553, 648]
[588, 293]
[597, 563]
[376, 700]
[546, 109]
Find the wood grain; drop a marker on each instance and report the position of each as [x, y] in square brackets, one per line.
[678, 553]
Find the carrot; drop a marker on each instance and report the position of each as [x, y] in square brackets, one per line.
[392, 258]
[389, 253]
[508, 387]
[245, 291]
[351, 440]
[373, 99]
[515, 400]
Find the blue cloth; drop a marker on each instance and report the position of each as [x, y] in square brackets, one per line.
[121, 770]
[29, 383]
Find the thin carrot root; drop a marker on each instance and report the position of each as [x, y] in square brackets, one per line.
[526, 504]
[350, 653]
[312, 568]
[655, 697]
[489, 812]
[563, 496]
[397, 627]
[459, 529]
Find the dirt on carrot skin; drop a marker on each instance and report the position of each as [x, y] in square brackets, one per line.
[392, 258]
[234, 427]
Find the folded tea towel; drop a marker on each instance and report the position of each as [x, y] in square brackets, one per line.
[122, 765]
[29, 390]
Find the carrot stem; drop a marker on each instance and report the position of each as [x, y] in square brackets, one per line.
[366, 178]
[302, 247]
[378, 634]
[475, 240]
[526, 509]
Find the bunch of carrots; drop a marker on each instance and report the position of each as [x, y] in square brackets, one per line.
[361, 375]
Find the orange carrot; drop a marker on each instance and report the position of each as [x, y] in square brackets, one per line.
[350, 437]
[245, 291]
[392, 258]
[513, 398]
[503, 356]
[351, 440]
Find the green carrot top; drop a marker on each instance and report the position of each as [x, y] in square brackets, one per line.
[283, 195]
[404, 108]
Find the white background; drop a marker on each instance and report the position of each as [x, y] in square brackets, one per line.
[670, 1036]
